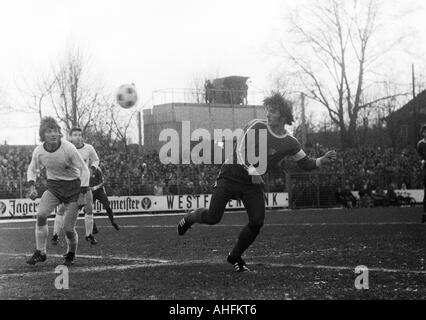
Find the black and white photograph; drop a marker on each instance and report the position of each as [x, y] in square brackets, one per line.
[212, 156]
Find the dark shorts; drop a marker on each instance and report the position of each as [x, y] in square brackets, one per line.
[252, 197]
[65, 191]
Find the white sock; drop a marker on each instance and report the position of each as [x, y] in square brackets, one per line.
[72, 244]
[41, 234]
[88, 222]
[59, 224]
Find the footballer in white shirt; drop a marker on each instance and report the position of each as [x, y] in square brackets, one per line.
[90, 158]
[67, 179]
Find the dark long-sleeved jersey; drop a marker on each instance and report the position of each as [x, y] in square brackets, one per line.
[96, 178]
[277, 148]
[421, 149]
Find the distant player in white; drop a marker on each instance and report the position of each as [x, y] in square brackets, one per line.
[67, 181]
[91, 159]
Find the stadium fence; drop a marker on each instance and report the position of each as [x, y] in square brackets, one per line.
[305, 190]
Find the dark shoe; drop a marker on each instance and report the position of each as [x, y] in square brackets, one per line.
[116, 227]
[183, 226]
[36, 258]
[92, 239]
[69, 259]
[238, 263]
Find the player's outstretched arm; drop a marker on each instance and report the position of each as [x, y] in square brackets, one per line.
[307, 163]
[32, 175]
[329, 156]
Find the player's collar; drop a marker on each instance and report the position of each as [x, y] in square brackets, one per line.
[82, 145]
[276, 135]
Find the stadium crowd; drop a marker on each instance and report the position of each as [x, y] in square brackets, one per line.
[133, 173]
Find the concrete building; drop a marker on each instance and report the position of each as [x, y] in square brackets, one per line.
[207, 116]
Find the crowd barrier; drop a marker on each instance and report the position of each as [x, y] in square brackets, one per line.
[11, 208]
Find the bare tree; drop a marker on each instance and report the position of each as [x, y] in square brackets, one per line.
[111, 127]
[198, 86]
[76, 98]
[334, 54]
[38, 92]
[119, 126]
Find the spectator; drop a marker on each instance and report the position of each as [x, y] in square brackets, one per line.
[127, 171]
[380, 198]
[392, 196]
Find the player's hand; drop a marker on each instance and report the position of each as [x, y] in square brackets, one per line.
[83, 190]
[33, 193]
[257, 179]
[328, 157]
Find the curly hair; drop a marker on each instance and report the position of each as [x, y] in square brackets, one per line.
[276, 100]
[48, 123]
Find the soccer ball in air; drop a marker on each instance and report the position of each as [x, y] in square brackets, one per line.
[127, 96]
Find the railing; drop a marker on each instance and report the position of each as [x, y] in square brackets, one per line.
[189, 180]
[209, 96]
[313, 190]
[305, 190]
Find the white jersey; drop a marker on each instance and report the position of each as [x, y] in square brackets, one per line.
[89, 155]
[63, 164]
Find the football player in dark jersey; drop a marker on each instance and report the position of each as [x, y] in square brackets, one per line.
[243, 180]
[421, 149]
[97, 186]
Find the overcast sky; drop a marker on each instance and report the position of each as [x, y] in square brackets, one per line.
[155, 44]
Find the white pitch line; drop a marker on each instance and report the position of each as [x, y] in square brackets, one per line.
[203, 262]
[150, 215]
[92, 257]
[341, 268]
[32, 219]
[305, 224]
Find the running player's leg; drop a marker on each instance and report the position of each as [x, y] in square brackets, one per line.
[59, 224]
[70, 220]
[48, 203]
[103, 198]
[88, 213]
[254, 203]
[220, 197]
[88, 217]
